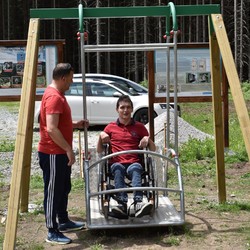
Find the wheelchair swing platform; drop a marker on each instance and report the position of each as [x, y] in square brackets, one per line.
[164, 215]
[157, 191]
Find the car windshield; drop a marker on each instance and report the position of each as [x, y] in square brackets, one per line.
[128, 84]
[137, 88]
[128, 90]
[120, 81]
[93, 89]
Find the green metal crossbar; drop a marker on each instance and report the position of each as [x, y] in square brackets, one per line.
[124, 12]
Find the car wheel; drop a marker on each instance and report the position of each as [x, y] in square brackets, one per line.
[142, 116]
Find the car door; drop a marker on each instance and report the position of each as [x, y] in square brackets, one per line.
[103, 103]
[74, 97]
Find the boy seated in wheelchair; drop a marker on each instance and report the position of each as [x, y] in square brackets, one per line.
[126, 134]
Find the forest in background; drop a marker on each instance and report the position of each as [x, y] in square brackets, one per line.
[236, 15]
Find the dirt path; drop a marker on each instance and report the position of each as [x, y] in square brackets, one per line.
[207, 225]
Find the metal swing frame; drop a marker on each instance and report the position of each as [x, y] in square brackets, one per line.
[165, 212]
[168, 214]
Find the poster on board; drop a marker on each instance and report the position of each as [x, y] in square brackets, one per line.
[193, 72]
[12, 61]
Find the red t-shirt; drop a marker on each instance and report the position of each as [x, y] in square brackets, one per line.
[54, 102]
[125, 138]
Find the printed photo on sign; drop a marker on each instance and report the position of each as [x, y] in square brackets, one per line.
[16, 81]
[5, 82]
[7, 67]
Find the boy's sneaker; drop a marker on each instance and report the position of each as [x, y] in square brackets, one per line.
[120, 211]
[57, 237]
[142, 210]
[70, 226]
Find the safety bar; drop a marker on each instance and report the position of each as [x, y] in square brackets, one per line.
[127, 47]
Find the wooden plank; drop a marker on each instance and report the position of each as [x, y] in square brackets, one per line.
[30, 86]
[233, 78]
[218, 117]
[225, 107]
[21, 139]
[151, 92]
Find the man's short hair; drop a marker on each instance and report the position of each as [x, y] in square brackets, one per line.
[124, 98]
[61, 70]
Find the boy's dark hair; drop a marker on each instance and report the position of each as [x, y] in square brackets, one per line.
[124, 98]
[61, 70]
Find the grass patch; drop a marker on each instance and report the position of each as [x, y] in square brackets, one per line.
[97, 246]
[77, 184]
[172, 240]
[12, 107]
[201, 118]
[7, 146]
[36, 182]
[196, 149]
[232, 207]
[22, 244]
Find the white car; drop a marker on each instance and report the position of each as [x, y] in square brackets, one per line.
[101, 97]
[121, 81]
[131, 86]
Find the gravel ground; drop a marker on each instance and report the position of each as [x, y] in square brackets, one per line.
[8, 126]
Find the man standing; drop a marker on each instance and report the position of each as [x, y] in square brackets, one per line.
[56, 155]
[126, 134]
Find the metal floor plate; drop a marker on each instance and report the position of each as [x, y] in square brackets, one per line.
[164, 215]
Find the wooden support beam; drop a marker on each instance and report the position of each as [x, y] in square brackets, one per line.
[218, 116]
[25, 125]
[233, 78]
[151, 93]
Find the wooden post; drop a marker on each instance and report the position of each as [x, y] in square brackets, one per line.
[151, 93]
[233, 78]
[23, 143]
[218, 117]
[225, 107]
[30, 79]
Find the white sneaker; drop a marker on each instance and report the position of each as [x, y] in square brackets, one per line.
[143, 209]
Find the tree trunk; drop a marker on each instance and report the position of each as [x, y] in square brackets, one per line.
[98, 30]
[235, 33]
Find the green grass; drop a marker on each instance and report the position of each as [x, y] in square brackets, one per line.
[7, 146]
[12, 107]
[172, 240]
[36, 181]
[232, 207]
[77, 184]
[196, 149]
[197, 160]
[202, 119]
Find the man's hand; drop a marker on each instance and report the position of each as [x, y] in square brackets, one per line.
[104, 137]
[71, 157]
[81, 124]
[144, 142]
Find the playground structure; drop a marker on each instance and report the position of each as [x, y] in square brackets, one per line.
[218, 45]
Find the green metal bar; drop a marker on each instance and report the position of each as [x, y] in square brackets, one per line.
[173, 13]
[197, 10]
[55, 13]
[80, 11]
[123, 12]
[167, 26]
[104, 12]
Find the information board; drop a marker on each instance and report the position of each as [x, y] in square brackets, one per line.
[193, 72]
[12, 66]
